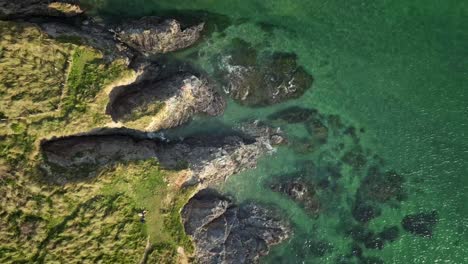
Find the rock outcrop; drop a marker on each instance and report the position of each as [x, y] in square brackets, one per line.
[261, 79]
[152, 35]
[164, 101]
[209, 159]
[26, 8]
[91, 33]
[224, 232]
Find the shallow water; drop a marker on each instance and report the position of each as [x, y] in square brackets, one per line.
[396, 69]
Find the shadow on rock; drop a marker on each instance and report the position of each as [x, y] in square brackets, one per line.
[224, 232]
[210, 159]
[164, 98]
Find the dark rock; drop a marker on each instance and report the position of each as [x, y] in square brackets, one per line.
[210, 158]
[352, 132]
[389, 234]
[318, 130]
[299, 190]
[333, 171]
[381, 187]
[164, 103]
[226, 233]
[374, 242]
[320, 248]
[293, 115]
[261, 79]
[88, 32]
[356, 250]
[27, 8]
[364, 212]
[359, 233]
[355, 158]
[371, 260]
[421, 224]
[152, 35]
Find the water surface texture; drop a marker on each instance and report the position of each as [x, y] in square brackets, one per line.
[391, 84]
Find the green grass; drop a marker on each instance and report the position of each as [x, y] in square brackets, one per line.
[54, 88]
[88, 74]
[153, 189]
[33, 70]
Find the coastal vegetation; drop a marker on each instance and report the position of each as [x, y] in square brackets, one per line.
[57, 87]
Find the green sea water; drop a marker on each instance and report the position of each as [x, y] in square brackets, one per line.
[398, 70]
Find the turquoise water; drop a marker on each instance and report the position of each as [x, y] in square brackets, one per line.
[396, 69]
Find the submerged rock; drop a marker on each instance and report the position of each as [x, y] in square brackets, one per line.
[381, 186]
[421, 224]
[364, 212]
[371, 260]
[209, 159]
[355, 157]
[261, 79]
[362, 235]
[26, 8]
[293, 115]
[152, 35]
[224, 232]
[157, 104]
[300, 191]
[356, 250]
[389, 234]
[318, 130]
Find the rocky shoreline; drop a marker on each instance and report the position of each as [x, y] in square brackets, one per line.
[161, 98]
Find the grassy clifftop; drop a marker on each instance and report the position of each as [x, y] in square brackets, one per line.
[52, 87]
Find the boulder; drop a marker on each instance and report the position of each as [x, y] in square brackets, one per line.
[224, 232]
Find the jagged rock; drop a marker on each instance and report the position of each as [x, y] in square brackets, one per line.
[152, 35]
[224, 232]
[155, 104]
[209, 159]
[261, 79]
[421, 224]
[10, 9]
[300, 191]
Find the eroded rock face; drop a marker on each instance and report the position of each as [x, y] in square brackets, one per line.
[152, 35]
[209, 159]
[25, 8]
[261, 79]
[155, 104]
[224, 232]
